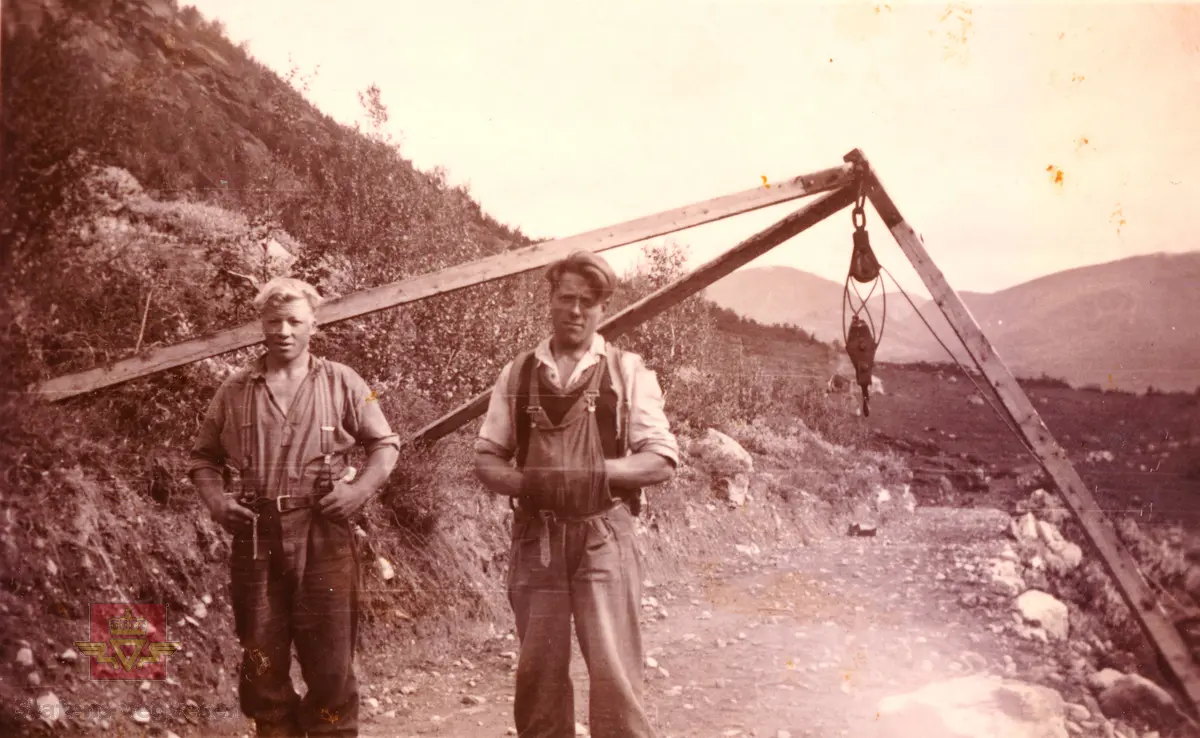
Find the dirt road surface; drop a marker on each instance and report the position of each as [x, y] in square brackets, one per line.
[801, 642]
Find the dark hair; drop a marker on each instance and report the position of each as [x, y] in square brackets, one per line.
[593, 269]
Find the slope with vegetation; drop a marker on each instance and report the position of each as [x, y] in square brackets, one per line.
[154, 173]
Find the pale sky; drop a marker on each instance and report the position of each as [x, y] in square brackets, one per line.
[567, 116]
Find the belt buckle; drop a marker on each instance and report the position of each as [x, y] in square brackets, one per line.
[279, 503]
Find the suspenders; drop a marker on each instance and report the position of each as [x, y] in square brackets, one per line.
[591, 393]
[325, 400]
[250, 493]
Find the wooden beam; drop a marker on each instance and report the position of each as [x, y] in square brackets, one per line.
[668, 296]
[454, 278]
[1134, 589]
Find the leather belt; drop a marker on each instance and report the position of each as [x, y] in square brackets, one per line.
[282, 504]
[548, 515]
[285, 503]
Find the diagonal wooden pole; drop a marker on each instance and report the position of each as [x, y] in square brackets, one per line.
[668, 296]
[1099, 530]
[453, 278]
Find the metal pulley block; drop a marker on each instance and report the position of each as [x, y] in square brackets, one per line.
[864, 267]
[860, 346]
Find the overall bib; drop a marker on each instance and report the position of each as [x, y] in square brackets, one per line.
[294, 579]
[573, 555]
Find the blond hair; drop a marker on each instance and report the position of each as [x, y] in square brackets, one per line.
[282, 290]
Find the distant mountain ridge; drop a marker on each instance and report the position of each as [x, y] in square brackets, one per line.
[1128, 324]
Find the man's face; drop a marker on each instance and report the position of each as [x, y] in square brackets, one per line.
[287, 328]
[575, 311]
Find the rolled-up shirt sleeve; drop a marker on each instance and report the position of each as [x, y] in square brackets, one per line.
[649, 429]
[208, 451]
[496, 435]
[364, 418]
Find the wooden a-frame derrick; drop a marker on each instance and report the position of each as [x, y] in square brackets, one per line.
[842, 185]
[451, 279]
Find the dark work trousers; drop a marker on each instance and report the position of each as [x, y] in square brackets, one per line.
[577, 563]
[302, 588]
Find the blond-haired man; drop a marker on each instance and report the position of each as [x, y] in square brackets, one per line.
[285, 424]
[584, 423]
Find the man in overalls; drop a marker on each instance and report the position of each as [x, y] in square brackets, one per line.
[584, 423]
[286, 423]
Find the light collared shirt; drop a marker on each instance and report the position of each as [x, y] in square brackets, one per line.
[649, 429]
[286, 448]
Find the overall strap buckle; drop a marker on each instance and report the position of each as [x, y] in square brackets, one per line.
[301, 501]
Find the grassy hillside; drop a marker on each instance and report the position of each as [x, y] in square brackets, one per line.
[161, 94]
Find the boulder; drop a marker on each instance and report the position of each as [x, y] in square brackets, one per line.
[1046, 611]
[1057, 515]
[721, 455]
[1005, 579]
[1061, 556]
[1066, 560]
[1025, 529]
[734, 489]
[1133, 696]
[976, 706]
[1049, 535]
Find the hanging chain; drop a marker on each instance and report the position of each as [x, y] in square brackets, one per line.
[859, 214]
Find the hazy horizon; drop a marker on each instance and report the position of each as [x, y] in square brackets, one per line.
[571, 117]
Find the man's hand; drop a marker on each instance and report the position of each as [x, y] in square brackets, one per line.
[497, 475]
[230, 515]
[344, 501]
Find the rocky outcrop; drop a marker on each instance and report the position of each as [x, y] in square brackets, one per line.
[720, 453]
[728, 464]
[1041, 560]
[1134, 697]
[977, 706]
[1046, 612]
